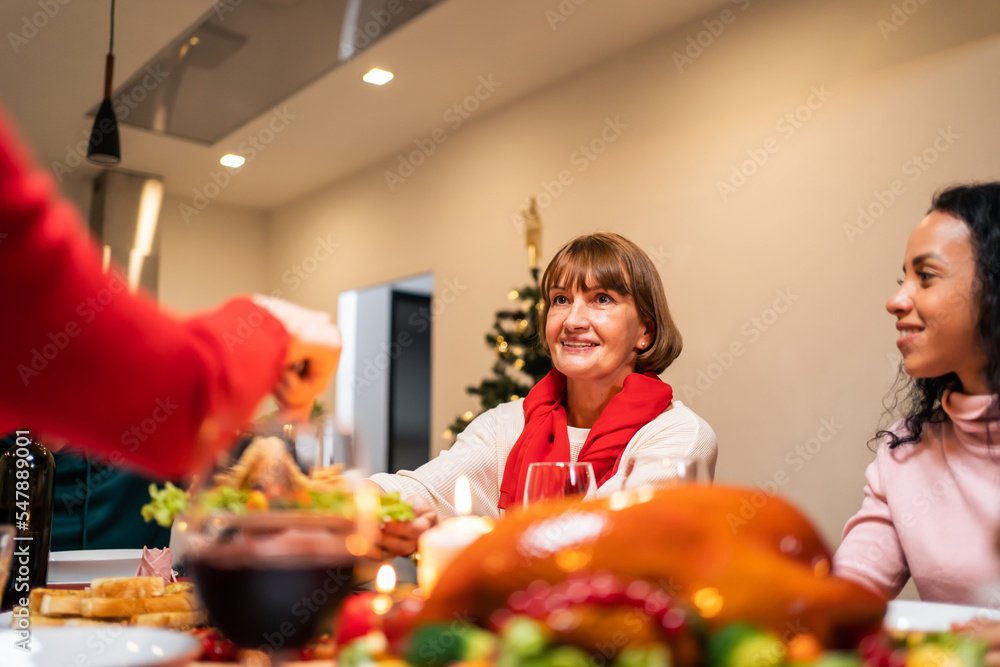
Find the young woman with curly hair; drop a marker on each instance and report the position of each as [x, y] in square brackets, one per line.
[931, 509]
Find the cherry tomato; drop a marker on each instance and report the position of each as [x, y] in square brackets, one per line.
[356, 618]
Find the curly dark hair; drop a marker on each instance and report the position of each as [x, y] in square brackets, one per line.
[978, 206]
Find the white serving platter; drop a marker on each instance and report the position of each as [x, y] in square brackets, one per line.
[81, 567]
[932, 616]
[105, 646]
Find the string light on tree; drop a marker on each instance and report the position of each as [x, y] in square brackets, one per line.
[520, 362]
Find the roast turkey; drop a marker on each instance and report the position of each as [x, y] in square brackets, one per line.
[723, 554]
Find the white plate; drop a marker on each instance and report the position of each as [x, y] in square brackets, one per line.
[932, 616]
[80, 567]
[105, 646]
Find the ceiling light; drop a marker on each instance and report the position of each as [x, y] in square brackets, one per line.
[378, 76]
[233, 161]
[104, 147]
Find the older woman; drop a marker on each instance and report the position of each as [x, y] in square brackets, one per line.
[609, 333]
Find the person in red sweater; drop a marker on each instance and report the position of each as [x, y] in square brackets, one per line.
[83, 359]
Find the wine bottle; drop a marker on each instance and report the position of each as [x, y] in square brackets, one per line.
[27, 474]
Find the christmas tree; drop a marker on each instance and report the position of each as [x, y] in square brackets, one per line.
[521, 362]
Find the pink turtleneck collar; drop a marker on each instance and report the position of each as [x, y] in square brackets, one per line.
[970, 415]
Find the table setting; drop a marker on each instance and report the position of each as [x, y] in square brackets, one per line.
[281, 567]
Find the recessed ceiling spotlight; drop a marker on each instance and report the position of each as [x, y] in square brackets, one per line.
[233, 161]
[378, 76]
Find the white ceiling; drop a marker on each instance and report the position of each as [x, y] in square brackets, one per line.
[340, 123]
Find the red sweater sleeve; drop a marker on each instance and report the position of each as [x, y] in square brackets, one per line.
[83, 359]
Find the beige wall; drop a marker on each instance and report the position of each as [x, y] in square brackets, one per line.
[221, 252]
[818, 369]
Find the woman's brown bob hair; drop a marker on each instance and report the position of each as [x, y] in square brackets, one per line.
[612, 262]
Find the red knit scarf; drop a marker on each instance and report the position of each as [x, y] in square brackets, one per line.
[544, 438]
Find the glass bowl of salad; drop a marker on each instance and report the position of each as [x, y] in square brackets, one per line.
[273, 524]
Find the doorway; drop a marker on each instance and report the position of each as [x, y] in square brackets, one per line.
[409, 382]
[384, 379]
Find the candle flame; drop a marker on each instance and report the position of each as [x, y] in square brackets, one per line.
[463, 495]
[385, 580]
[382, 604]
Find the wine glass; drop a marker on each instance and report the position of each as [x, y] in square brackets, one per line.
[273, 544]
[548, 480]
[663, 471]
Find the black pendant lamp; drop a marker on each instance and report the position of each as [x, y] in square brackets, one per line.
[105, 146]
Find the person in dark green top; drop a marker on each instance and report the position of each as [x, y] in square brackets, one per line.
[98, 506]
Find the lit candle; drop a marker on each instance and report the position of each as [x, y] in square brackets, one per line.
[439, 545]
[385, 582]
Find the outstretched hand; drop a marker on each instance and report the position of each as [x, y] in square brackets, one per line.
[399, 538]
[308, 369]
[310, 359]
[986, 631]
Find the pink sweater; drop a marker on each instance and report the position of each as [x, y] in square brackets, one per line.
[932, 511]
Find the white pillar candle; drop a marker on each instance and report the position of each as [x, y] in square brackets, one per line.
[439, 545]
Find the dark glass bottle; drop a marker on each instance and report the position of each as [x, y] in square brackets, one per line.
[27, 474]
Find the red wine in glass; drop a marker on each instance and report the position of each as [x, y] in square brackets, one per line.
[277, 605]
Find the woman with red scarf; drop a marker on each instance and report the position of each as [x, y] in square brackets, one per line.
[609, 333]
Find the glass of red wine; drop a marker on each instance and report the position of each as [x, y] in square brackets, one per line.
[274, 538]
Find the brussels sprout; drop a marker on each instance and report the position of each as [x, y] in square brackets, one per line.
[741, 645]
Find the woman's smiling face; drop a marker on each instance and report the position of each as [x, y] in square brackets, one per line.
[935, 305]
[593, 333]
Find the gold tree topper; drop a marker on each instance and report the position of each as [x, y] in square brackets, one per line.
[532, 232]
